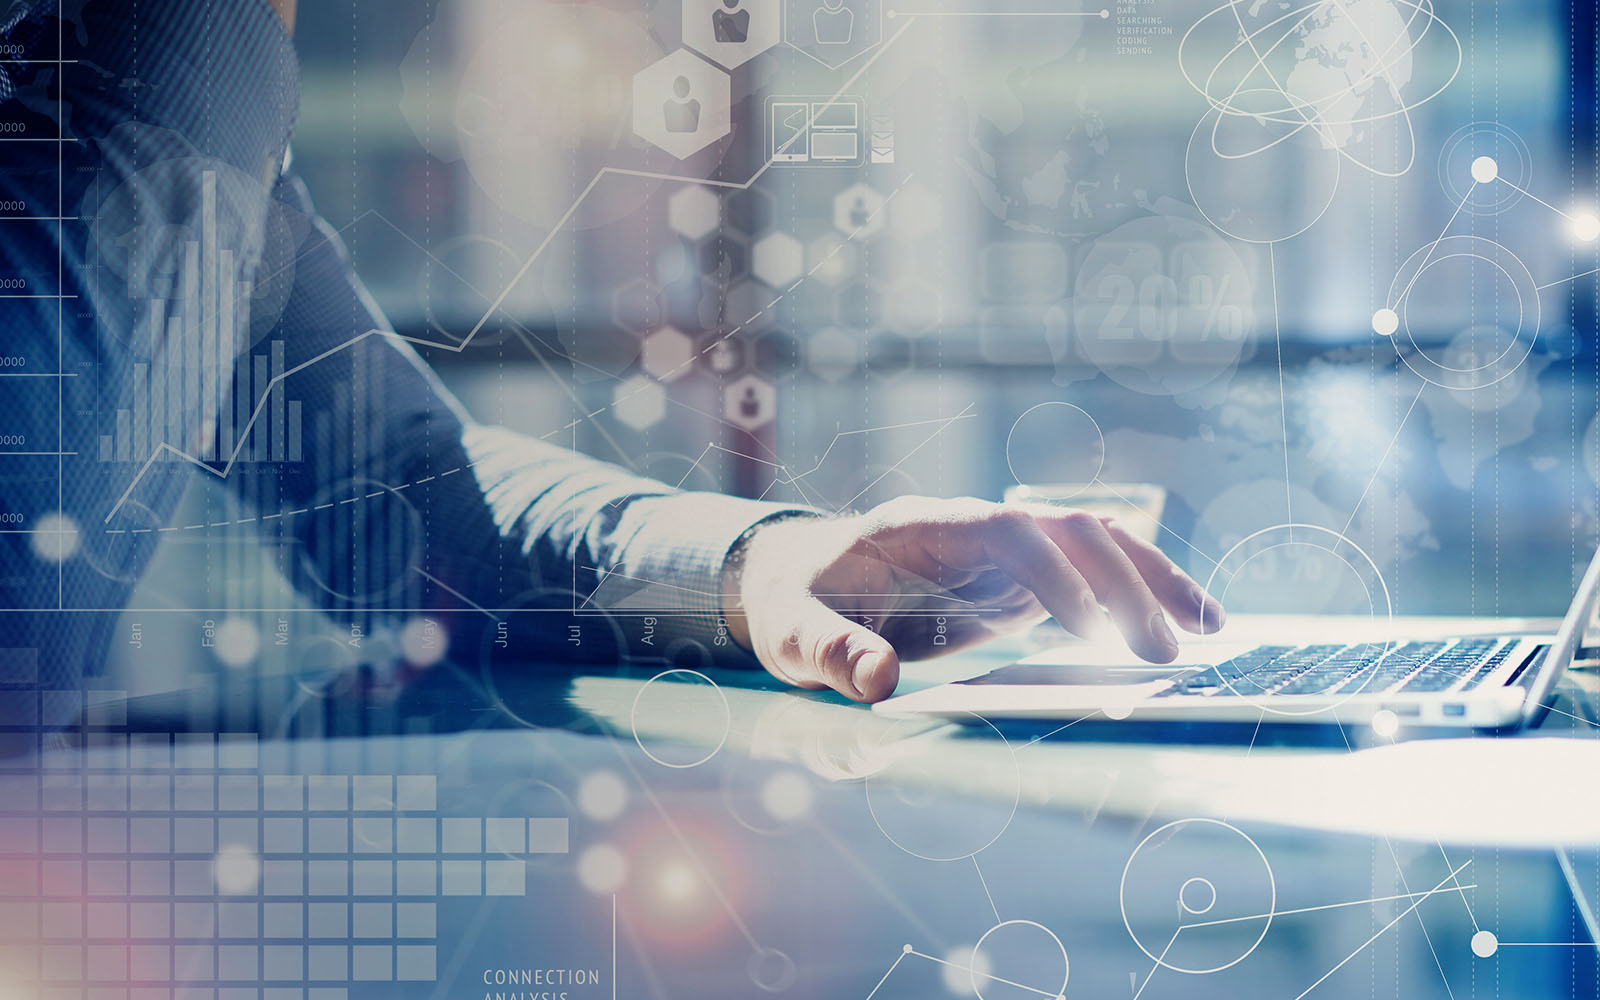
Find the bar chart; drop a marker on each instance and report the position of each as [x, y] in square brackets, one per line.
[195, 393]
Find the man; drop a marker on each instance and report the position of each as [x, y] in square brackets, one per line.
[183, 245]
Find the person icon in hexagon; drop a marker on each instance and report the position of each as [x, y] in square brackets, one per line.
[859, 215]
[833, 22]
[749, 404]
[731, 25]
[681, 111]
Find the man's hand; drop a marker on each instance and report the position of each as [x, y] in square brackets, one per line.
[837, 602]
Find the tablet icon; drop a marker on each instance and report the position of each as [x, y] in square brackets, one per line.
[809, 131]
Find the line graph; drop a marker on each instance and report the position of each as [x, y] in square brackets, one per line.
[181, 454]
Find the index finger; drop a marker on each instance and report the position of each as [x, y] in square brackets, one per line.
[1116, 581]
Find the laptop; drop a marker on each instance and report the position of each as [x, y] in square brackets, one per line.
[1468, 681]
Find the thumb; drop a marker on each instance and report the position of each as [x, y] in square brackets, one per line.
[823, 648]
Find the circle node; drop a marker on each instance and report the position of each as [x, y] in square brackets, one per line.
[982, 962]
[1385, 723]
[1586, 227]
[675, 701]
[1246, 899]
[1385, 322]
[906, 948]
[1485, 944]
[1191, 893]
[1485, 169]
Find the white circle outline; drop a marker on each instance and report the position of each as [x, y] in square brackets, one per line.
[1265, 704]
[786, 979]
[1516, 145]
[1016, 800]
[1066, 962]
[1520, 336]
[1314, 119]
[1272, 888]
[1185, 888]
[1188, 181]
[727, 712]
[1440, 365]
[1092, 423]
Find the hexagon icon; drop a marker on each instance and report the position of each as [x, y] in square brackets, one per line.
[778, 259]
[694, 212]
[858, 211]
[833, 32]
[681, 103]
[731, 32]
[723, 354]
[832, 259]
[750, 402]
[751, 211]
[639, 402]
[667, 353]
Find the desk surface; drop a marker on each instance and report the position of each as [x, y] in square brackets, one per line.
[747, 839]
[1470, 789]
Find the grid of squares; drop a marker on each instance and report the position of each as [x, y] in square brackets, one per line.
[173, 868]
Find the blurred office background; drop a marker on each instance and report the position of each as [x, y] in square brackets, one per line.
[1050, 211]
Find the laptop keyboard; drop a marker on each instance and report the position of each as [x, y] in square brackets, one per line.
[1366, 668]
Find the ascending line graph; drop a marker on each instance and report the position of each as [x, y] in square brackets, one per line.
[494, 307]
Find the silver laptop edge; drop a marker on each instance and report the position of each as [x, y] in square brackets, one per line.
[1566, 642]
[1514, 694]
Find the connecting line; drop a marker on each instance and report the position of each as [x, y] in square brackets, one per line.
[1435, 245]
[1363, 498]
[566, 217]
[1562, 281]
[499, 300]
[608, 574]
[1400, 871]
[459, 595]
[1155, 520]
[1101, 14]
[1447, 863]
[1326, 906]
[1380, 932]
[869, 876]
[1052, 732]
[1283, 403]
[838, 435]
[266, 397]
[420, 341]
[985, 883]
[984, 975]
[1573, 717]
[943, 426]
[1159, 961]
[1536, 198]
[897, 960]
